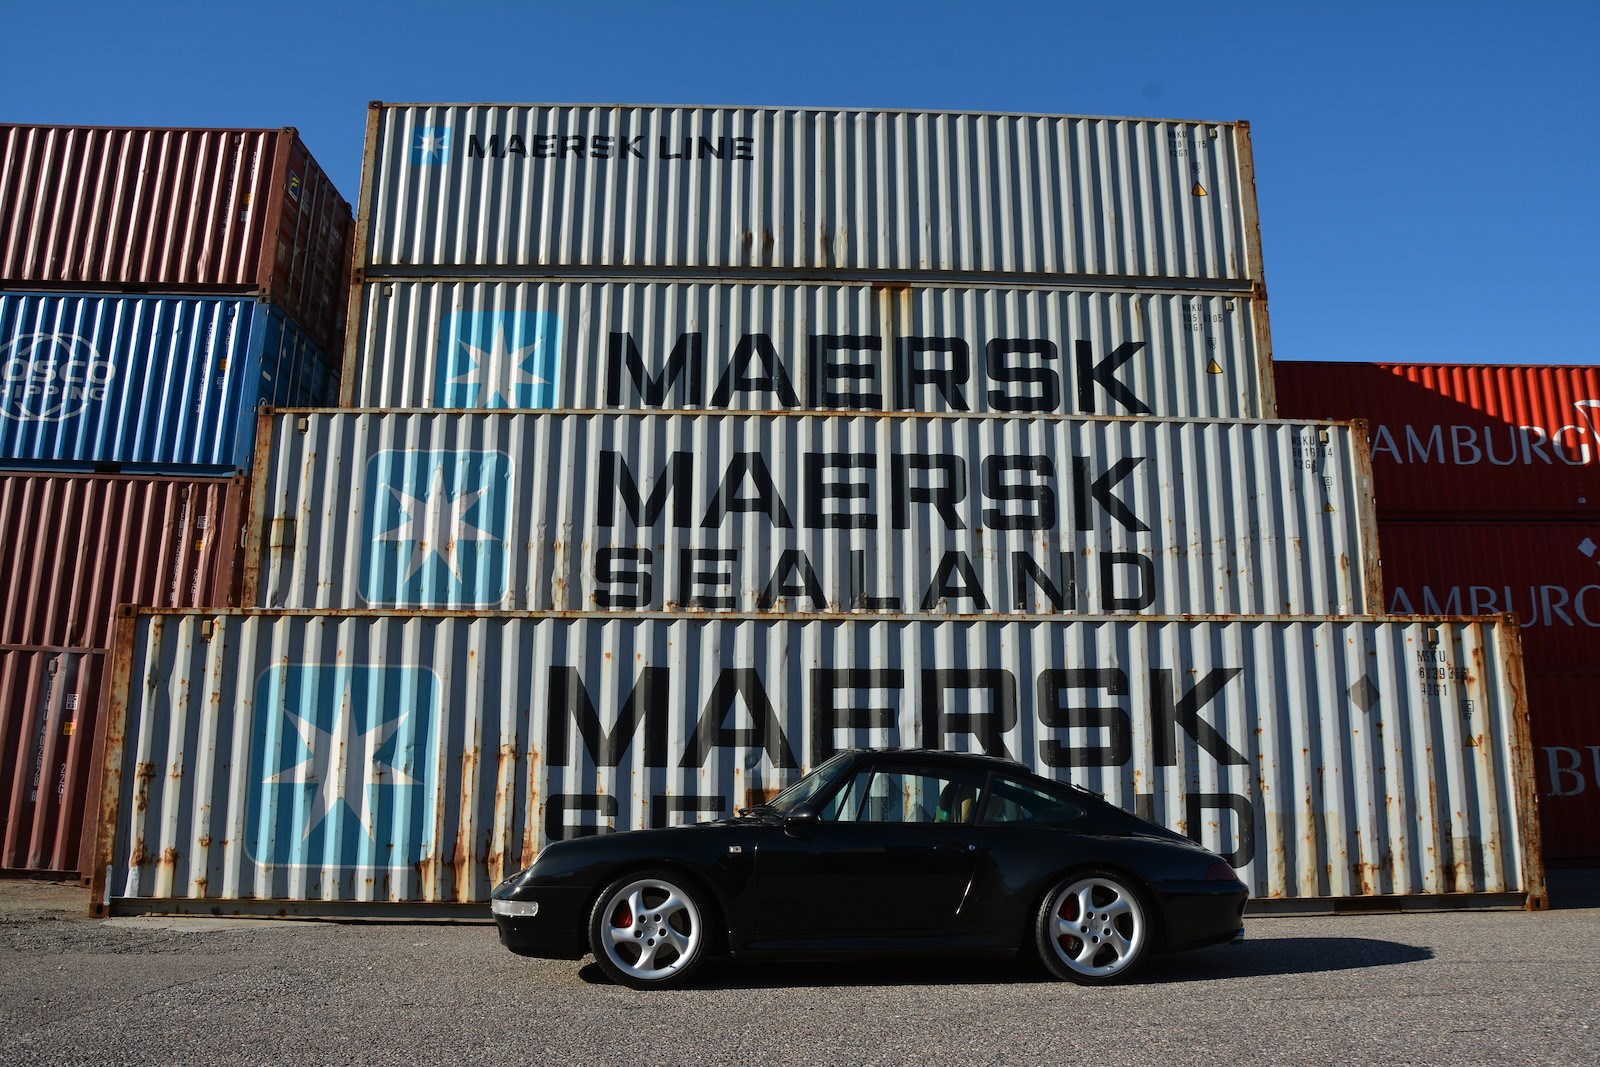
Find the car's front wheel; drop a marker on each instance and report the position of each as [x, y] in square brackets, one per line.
[648, 930]
[1093, 927]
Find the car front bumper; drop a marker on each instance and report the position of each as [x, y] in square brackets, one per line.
[547, 923]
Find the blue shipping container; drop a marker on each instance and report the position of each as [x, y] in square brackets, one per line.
[142, 383]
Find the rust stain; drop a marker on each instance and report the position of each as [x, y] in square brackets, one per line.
[169, 857]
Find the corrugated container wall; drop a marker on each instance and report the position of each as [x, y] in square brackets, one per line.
[75, 546]
[1311, 753]
[176, 210]
[1566, 730]
[635, 343]
[517, 189]
[697, 512]
[146, 384]
[1462, 439]
[50, 704]
[1546, 572]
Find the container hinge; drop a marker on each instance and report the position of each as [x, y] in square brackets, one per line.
[206, 628]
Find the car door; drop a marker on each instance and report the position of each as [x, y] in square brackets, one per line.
[892, 854]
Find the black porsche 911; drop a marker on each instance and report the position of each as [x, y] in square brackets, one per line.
[879, 852]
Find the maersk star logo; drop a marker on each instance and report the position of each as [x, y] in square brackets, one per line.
[430, 145]
[344, 766]
[492, 359]
[436, 526]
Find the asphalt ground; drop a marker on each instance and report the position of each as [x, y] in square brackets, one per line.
[1499, 987]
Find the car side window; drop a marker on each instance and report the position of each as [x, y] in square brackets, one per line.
[1013, 802]
[896, 795]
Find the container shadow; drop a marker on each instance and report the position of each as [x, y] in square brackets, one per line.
[1252, 959]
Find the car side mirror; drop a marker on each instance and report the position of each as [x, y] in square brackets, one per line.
[797, 822]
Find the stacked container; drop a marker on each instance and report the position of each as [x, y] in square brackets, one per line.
[681, 447]
[157, 286]
[1488, 495]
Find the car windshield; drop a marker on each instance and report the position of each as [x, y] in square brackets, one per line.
[811, 785]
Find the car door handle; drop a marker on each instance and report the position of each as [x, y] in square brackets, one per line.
[955, 846]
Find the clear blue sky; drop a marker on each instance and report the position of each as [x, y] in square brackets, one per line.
[1429, 174]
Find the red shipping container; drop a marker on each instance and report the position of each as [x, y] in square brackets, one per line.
[1546, 572]
[74, 546]
[50, 708]
[177, 211]
[1565, 708]
[1452, 439]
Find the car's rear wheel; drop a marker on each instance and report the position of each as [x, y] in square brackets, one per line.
[1093, 927]
[648, 930]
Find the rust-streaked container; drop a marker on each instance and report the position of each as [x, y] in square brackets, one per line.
[1548, 573]
[1565, 706]
[176, 210]
[1456, 439]
[1324, 758]
[75, 546]
[50, 703]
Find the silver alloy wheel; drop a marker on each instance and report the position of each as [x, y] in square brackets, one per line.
[1096, 927]
[650, 929]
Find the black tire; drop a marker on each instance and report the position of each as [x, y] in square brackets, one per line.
[1097, 944]
[648, 930]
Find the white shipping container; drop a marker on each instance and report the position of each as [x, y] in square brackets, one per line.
[1323, 758]
[520, 188]
[582, 511]
[632, 343]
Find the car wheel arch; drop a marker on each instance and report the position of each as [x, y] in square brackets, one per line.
[1152, 904]
[716, 922]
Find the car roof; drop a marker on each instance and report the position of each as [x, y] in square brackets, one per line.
[975, 760]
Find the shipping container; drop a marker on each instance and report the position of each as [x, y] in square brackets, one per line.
[50, 702]
[1464, 440]
[696, 512]
[1323, 758]
[1548, 573]
[168, 385]
[630, 343]
[176, 210]
[74, 546]
[537, 188]
[1565, 707]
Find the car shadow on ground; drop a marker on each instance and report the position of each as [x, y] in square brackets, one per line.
[1251, 959]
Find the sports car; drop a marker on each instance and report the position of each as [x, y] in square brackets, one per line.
[874, 851]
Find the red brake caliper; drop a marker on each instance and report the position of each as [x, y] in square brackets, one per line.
[1070, 942]
[623, 918]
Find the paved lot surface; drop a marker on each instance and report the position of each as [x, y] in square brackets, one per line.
[1485, 987]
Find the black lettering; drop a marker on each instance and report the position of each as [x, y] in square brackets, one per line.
[515, 146]
[828, 715]
[911, 375]
[1167, 716]
[616, 481]
[663, 808]
[668, 153]
[627, 567]
[858, 595]
[560, 804]
[997, 487]
[1061, 590]
[633, 147]
[1144, 585]
[793, 561]
[943, 587]
[544, 146]
[1244, 823]
[744, 149]
[1113, 718]
[944, 497]
[820, 489]
[1099, 490]
[647, 703]
[776, 380]
[476, 149]
[825, 371]
[765, 732]
[989, 727]
[572, 143]
[707, 149]
[1103, 373]
[600, 146]
[766, 501]
[1046, 394]
[693, 574]
[687, 361]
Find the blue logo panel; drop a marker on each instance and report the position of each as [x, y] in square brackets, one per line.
[493, 359]
[344, 767]
[430, 145]
[435, 529]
